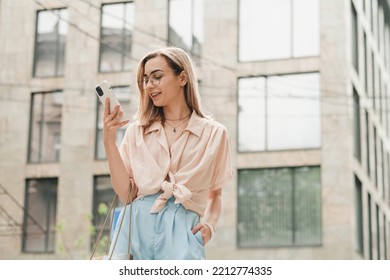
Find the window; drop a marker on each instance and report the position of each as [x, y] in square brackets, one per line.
[103, 195]
[384, 237]
[378, 233]
[387, 42]
[278, 29]
[45, 127]
[359, 216]
[40, 216]
[388, 180]
[186, 25]
[274, 112]
[355, 43]
[370, 253]
[372, 16]
[373, 81]
[368, 143]
[387, 108]
[279, 207]
[356, 124]
[116, 36]
[381, 99]
[382, 156]
[129, 106]
[365, 61]
[375, 158]
[50, 39]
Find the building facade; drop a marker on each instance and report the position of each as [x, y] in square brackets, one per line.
[303, 87]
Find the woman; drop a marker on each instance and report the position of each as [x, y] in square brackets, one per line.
[174, 158]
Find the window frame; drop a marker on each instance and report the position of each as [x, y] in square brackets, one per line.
[266, 112]
[196, 54]
[30, 133]
[291, 38]
[283, 245]
[27, 216]
[123, 37]
[35, 58]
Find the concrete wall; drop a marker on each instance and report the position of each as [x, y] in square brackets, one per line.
[218, 72]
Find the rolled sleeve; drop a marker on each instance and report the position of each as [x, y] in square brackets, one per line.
[223, 171]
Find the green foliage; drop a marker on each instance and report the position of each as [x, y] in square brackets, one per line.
[102, 209]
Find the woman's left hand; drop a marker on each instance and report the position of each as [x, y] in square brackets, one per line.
[204, 230]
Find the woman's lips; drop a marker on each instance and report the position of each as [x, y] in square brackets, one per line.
[155, 94]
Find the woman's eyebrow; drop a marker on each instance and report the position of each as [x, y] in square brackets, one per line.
[154, 71]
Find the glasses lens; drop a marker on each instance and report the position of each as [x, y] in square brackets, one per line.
[155, 81]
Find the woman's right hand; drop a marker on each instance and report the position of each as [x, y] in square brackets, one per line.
[111, 123]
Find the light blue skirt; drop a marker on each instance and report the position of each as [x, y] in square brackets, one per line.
[165, 235]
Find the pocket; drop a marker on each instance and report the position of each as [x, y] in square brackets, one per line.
[198, 237]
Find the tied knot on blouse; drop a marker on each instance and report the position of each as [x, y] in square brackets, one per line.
[170, 188]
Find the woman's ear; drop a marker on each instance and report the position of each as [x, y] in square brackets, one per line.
[183, 78]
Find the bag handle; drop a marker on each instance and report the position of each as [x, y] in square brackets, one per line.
[120, 226]
[114, 200]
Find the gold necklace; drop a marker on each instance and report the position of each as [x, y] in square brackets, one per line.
[180, 123]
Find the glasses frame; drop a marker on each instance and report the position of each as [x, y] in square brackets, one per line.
[155, 80]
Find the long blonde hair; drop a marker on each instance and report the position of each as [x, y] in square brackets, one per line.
[179, 61]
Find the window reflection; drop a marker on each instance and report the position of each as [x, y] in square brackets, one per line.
[251, 108]
[186, 24]
[40, 216]
[293, 115]
[279, 207]
[116, 36]
[51, 32]
[278, 29]
[45, 127]
[279, 112]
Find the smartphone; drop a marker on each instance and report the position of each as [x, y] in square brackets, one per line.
[104, 91]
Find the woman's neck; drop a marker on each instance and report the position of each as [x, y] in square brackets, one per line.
[177, 113]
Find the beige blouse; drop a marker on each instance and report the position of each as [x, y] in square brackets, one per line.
[197, 162]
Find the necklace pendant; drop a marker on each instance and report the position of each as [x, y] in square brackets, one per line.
[174, 129]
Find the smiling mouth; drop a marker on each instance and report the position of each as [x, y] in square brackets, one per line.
[155, 94]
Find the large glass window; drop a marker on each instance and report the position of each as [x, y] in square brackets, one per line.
[40, 216]
[383, 172]
[373, 80]
[387, 108]
[279, 207]
[50, 39]
[364, 50]
[355, 41]
[368, 149]
[186, 24]
[45, 127]
[369, 215]
[356, 125]
[375, 169]
[378, 232]
[359, 215]
[129, 105]
[385, 237]
[117, 26]
[278, 29]
[274, 112]
[388, 181]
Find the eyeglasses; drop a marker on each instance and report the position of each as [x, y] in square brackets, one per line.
[154, 80]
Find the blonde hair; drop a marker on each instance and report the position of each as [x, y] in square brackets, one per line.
[179, 61]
